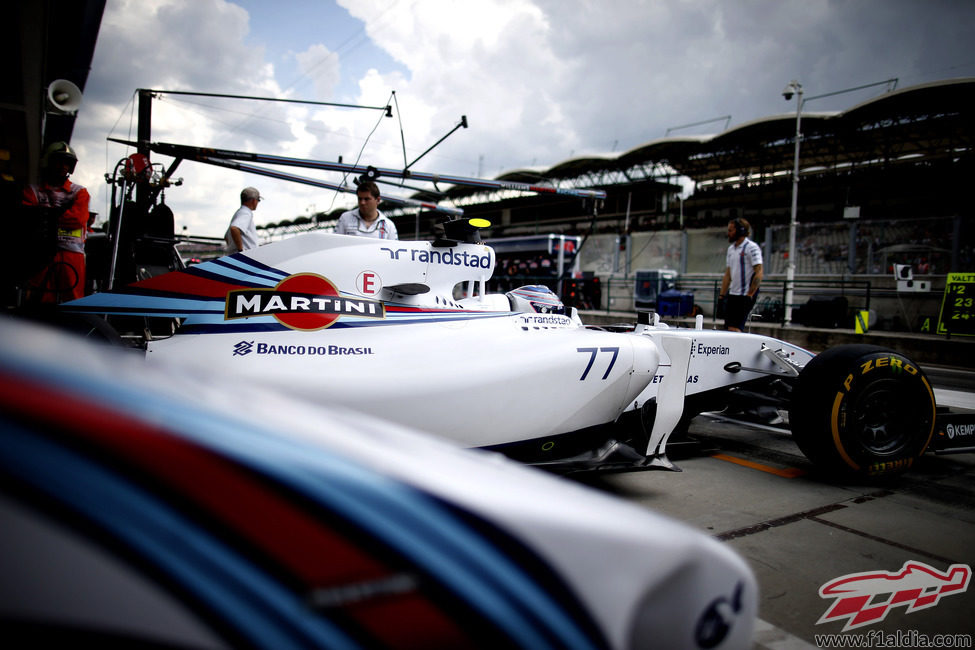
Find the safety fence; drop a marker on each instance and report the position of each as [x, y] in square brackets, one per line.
[827, 302]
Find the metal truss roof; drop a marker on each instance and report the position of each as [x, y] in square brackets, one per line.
[924, 122]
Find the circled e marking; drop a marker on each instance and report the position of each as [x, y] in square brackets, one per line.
[368, 283]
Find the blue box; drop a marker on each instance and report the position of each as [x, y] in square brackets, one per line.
[675, 303]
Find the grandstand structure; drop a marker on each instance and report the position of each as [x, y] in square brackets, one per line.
[902, 158]
[905, 155]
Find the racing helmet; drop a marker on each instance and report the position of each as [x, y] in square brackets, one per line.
[535, 298]
[57, 152]
[137, 167]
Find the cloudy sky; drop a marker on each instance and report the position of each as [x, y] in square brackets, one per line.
[539, 81]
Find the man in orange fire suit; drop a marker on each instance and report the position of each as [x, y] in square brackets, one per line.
[64, 278]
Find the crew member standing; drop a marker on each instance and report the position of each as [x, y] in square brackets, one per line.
[64, 278]
[366, 220]
[241, 235]
[742, 275]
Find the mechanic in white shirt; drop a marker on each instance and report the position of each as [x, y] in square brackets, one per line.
[366, 220]
[241, 235]
[742, 275]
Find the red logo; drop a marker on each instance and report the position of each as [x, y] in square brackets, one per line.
[304, 301]
[307, 283]
[866, 598]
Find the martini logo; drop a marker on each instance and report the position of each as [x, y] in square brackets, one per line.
[866, 598]
[304, 301]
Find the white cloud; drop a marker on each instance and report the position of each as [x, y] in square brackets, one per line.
[539, 80]
[322, 66]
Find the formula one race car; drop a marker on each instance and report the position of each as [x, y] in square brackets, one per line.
[179, 508]
[406, 330]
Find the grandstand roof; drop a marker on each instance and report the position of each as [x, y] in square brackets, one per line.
[932, 120]
[575, 167]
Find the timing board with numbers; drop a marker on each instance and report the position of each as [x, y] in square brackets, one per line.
[958, 305]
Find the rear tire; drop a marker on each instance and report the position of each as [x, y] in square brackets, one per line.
[862, 410]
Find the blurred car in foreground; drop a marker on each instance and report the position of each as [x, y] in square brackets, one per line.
[169, 507]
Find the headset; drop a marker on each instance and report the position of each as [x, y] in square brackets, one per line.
[741, 230]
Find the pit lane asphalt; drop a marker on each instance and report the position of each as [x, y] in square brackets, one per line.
[750, 486]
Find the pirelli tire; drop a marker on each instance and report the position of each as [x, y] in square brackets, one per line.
[862, 410]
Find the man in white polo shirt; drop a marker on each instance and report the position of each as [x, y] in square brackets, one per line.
[242, 233]
[366, 220]
[742, 275]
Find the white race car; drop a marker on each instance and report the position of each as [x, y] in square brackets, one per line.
[165, 508]
[405, 330]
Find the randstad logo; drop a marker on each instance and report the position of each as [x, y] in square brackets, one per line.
[445, 256]
[866, 598]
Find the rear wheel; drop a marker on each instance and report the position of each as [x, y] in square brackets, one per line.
[862, 410]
